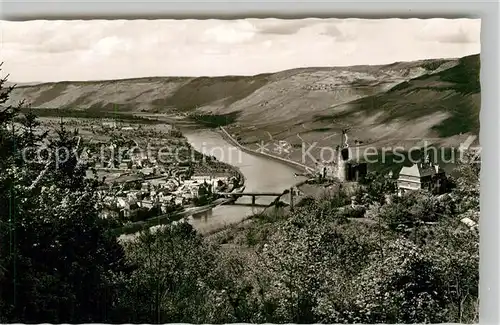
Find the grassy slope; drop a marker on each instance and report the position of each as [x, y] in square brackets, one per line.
[430, 98]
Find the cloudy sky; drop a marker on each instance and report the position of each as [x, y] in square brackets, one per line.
[35, 51]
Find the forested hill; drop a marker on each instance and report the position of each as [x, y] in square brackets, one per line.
[427, 98]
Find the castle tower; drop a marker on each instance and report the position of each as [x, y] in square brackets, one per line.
[342, 156]
[341, 166]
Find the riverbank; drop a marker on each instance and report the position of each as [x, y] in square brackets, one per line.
[261, 175]
[130, 229]
[300, 167]
[135, 227]
[296, 165]
[229, 171]
[261, 172]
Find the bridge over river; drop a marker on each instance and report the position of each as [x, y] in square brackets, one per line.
[265, 180]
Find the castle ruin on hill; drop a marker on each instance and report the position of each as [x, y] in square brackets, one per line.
[344, 167]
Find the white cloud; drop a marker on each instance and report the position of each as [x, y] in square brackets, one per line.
[111, 45]
[457, 31]
[104, 49]
[230, 32]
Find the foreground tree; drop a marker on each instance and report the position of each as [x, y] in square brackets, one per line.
[467, 185]
[178, 277]
[57, 258]
[415, 262]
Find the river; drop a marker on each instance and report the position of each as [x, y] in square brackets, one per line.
[261, 175]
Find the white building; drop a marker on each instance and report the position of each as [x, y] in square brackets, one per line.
[111, 124]
[146, 204]
[179, 200]
[132, 197]
[420, 176]
[147, 171]
[122, 203]
[145, 186]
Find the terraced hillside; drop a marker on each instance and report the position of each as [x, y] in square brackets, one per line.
[437, 99]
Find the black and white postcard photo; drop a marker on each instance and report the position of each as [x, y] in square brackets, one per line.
[260, 170]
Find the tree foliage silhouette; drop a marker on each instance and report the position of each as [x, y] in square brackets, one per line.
[57, 258]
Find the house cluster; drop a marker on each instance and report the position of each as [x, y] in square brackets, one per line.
[142, 166]
[159, 196]
[114, 125]
[138, 163]
[140, 186]
[133, 162]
